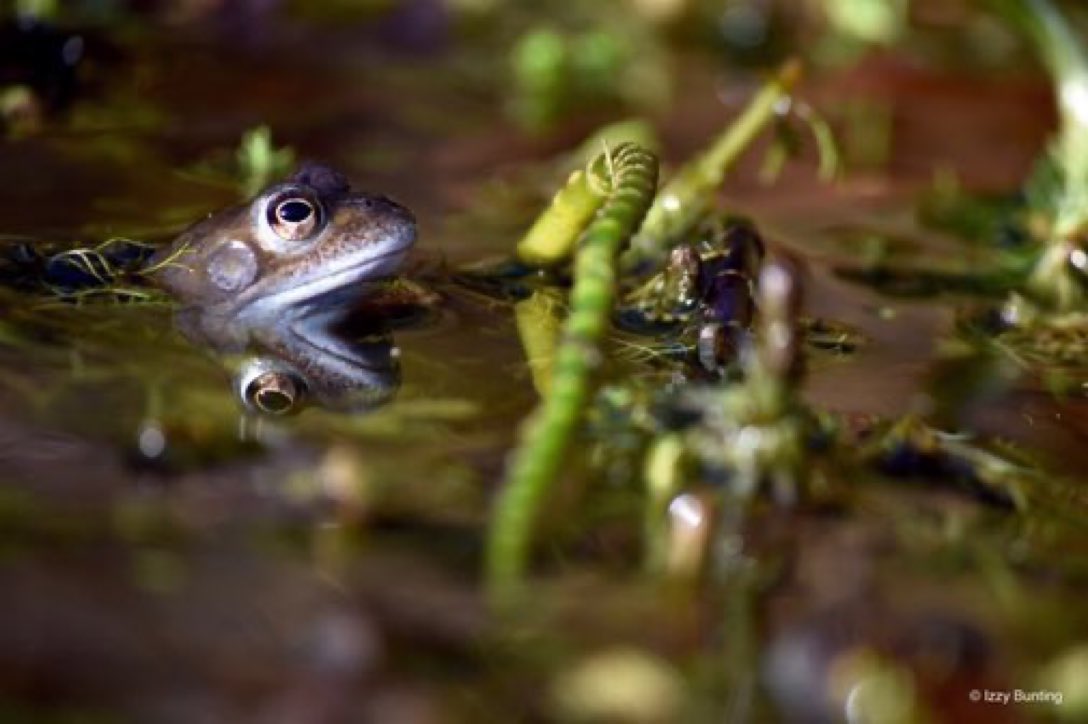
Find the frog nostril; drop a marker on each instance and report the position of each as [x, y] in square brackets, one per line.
[394, 209]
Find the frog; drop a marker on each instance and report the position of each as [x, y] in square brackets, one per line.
[309, 242]
[292, 290]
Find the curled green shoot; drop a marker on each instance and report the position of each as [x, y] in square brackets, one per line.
[629, 130]
[686, 197]
[546, 435]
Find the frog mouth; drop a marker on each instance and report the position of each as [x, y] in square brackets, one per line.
[327, 289]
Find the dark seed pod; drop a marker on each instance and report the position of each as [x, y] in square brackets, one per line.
[709, 346]
[744, 246]
[728, 298]
[780, 291]
[736, 242]
[727, 270]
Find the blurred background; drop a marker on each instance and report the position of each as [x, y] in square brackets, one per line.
[167, 557]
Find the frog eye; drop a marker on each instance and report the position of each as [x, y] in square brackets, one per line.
[293, 218]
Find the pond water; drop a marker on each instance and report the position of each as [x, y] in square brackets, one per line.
[165, 556]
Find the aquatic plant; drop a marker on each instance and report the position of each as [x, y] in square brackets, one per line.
[603, 198]
[871, 21]
[753, 434]
[260, 161]
[1059, 187]
[551, 237]
[555, 72]
[689, 194]
[546, 435]
[538, 323]
[702, 300]
[110, 270]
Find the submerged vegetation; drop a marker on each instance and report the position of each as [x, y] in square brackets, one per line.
[609, 200]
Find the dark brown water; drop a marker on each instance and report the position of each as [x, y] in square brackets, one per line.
[235, 576]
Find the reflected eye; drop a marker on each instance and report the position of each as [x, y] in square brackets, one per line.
[293, 218]
[274, 393]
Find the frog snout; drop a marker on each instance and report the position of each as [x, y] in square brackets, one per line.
[396, 219]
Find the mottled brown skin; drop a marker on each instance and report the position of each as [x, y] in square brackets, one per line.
[298, 245]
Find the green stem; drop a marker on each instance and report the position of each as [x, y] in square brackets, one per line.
[551, 237]
[691, 190]
[1067, 61]
[1054, 40]
[1052, 281]
[546, 435]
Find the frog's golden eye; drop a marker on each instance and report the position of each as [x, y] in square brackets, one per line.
[293, 218]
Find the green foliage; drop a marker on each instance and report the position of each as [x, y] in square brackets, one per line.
[1059, 187]
[554, 73]
[983, 219]
[43, 9]
[686, 197]
[869, 21]
[260, 161]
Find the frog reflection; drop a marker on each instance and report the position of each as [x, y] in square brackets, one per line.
[289, 367]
